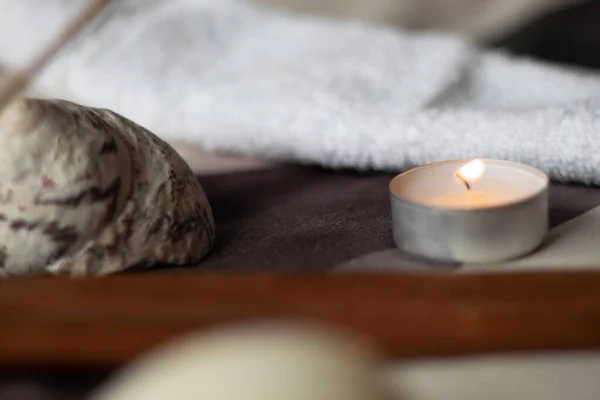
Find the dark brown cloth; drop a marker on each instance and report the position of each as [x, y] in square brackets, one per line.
[293, 217]
[300, 218]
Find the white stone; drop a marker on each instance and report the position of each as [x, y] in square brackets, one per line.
[85, 191]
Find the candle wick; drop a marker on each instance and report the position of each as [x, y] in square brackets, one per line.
[463, 180]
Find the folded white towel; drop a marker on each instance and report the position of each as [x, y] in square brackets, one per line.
[233, 76]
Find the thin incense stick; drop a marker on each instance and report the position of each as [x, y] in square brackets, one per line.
[20, 81]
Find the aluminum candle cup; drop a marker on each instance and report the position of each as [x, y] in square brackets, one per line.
[470, 211]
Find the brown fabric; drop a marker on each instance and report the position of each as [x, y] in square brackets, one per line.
[570, 201]
[293, 217]
[303, 218]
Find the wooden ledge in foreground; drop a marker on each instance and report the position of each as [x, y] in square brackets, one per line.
[108, 321]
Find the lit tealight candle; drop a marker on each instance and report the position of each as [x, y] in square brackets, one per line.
[470, 211]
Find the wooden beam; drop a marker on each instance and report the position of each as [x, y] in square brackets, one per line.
[108, 321]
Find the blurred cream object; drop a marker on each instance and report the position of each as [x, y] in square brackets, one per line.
[273, 361]
[480, 19]
[295, 362]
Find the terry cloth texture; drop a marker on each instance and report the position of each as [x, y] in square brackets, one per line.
[233, 76]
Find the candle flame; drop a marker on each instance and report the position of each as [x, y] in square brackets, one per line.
[470, 172]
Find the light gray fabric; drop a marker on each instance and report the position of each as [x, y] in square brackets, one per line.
[232, 76]
[550, 376]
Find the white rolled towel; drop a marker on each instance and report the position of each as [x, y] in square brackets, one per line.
[233, 76]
